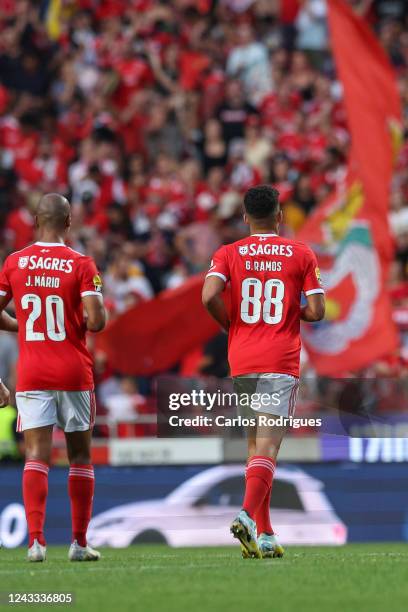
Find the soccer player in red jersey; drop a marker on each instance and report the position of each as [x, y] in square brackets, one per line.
[57, 297]
[267, 276]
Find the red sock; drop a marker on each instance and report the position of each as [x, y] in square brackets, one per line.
[35, 491]
[259, 474]
[81, 485]
[263, 515]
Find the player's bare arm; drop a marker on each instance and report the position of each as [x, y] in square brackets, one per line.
[4, 395]
[95, 315]
[7, 322]
[314, 309]
[213, 302]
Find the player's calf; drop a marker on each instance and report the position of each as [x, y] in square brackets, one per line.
[81, 485]
[81, 479]
[35, 491]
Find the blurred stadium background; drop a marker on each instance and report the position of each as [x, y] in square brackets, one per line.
[154, 117]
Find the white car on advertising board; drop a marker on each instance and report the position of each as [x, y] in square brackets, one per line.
[199, 511]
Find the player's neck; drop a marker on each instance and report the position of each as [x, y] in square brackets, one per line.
[263, 230]
[50, 237]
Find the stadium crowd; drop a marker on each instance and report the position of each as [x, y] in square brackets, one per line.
[154, 117]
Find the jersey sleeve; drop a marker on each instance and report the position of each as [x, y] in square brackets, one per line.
[90, 282]
[312, 282]
[219, 265]
[5, 287]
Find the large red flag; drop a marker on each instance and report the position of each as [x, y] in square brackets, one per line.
[153, 336]
[350, 231]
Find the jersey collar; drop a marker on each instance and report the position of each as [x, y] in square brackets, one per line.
[266, 235]
[47, 244]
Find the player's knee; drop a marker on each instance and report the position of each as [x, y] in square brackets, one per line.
[266, 448]
[251, 449]
[81, 458]
[38, 454]
[37, 448]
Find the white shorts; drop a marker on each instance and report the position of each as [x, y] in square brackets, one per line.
[70, 410]
[270, 393]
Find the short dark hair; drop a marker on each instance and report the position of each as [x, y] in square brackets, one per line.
[261, 202]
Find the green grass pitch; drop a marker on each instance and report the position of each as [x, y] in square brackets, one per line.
[356, 577]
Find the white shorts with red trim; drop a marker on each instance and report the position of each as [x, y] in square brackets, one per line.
[70, 410]
[269, 393]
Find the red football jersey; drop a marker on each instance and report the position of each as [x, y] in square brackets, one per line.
[47, 281]
[267, 274]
